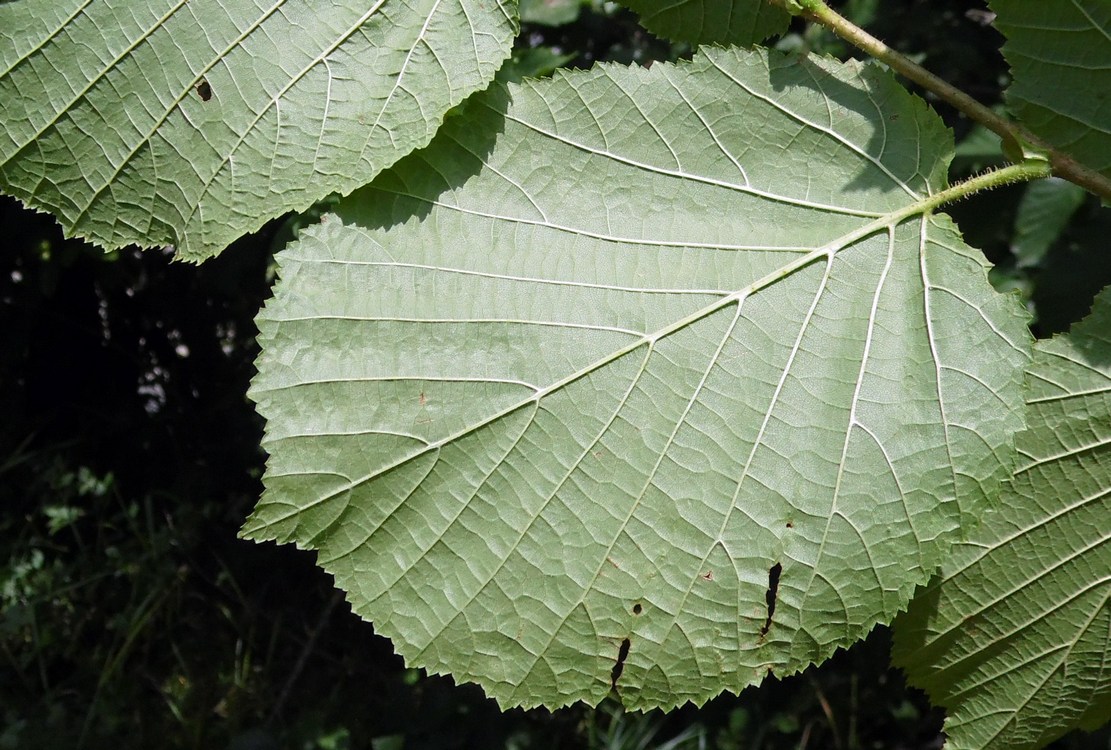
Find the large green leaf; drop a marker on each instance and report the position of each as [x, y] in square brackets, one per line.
[657, 379]
[1060, 56]
[190, 122]
[1014, 638]
[742, 22]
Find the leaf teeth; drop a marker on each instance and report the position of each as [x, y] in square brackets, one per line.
[1059, 54]
[614, 356]
[712, 21]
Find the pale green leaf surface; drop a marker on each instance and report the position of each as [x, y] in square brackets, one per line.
[190, 122]
[743, 22]
[550, 12]
[1014, 638]
[586, 370]
[1060, 57]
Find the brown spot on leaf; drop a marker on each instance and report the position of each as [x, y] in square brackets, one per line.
[707, 576]
[637, 608]
[204, 90]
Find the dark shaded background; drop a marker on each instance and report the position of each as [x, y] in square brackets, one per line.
[129, 456]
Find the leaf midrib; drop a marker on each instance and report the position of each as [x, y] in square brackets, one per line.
[921, 207]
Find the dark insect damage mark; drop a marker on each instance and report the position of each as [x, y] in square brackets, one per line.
[773, 588]
[637, 609]
[622, 654]
[204, 90]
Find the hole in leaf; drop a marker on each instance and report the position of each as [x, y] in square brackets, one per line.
[773, 588]
[204, 90]
[622, 654]
[637, 609]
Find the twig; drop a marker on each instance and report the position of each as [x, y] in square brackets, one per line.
[1013, 134]
[828, 711]
[303, 659]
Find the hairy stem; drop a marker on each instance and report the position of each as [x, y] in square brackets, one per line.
[1012, 133]
[1031, 169]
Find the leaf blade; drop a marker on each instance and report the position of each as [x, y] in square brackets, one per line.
[613, 424]
[745, 23]
[1061, 62]
[1013, 637]
[190, 123]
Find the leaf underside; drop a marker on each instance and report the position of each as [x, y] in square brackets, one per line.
[1060, 57]
[1015, 636]
[191, 122]
[743, 22]
[654, 381]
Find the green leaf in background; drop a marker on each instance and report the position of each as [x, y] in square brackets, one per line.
[1074, 270]
[1044, 211]
[743, 22]
[532, 62]
[550, 12]
[1015, 636]
[655, 381]
[1060, 57]
[188, 123]
[981, 148]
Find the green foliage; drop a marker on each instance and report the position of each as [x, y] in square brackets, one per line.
[550, 12]
[689, 398]
[1013, 636]
[640, 384]
[1043, 213]
[711, 21]
[190, 123]
[1060, 58]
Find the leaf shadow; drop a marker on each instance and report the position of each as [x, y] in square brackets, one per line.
[899, 120]
[409, 189]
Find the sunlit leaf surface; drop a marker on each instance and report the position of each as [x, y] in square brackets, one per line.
[191, 122]
[652, 381]
[1015, 636]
